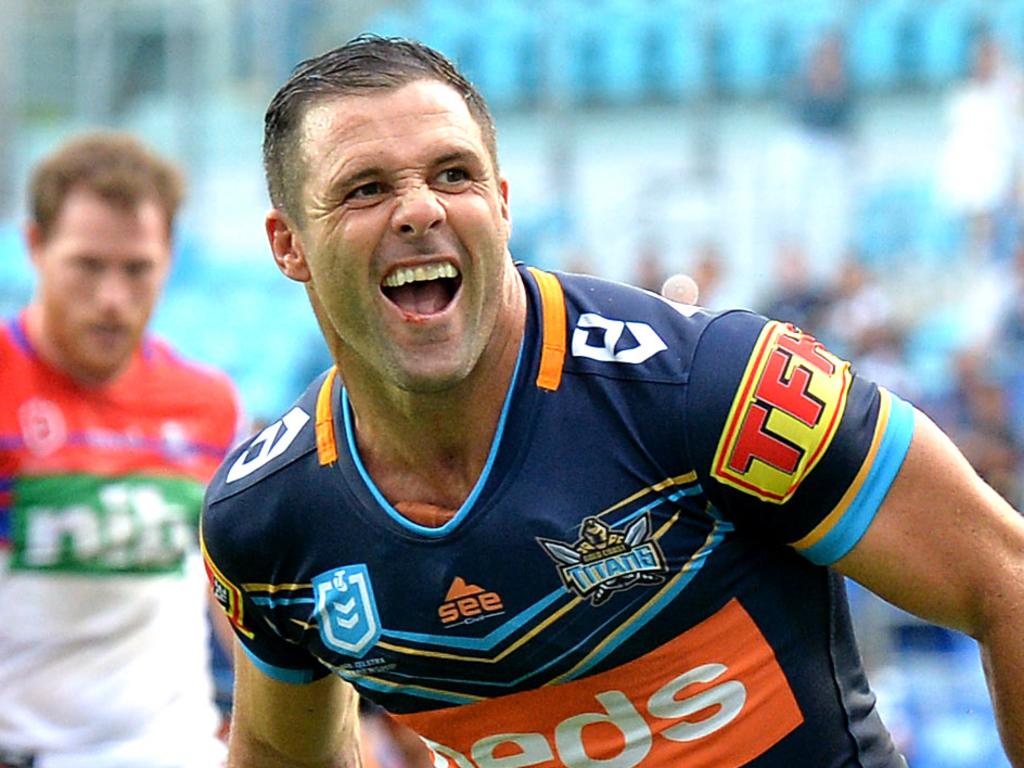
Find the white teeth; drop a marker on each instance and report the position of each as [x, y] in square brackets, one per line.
[416, 274]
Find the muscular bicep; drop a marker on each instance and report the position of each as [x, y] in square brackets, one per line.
[277, 724]
[943, 545]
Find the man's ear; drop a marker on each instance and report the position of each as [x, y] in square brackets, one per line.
[33, 234]
[286, 244]
[506, 213]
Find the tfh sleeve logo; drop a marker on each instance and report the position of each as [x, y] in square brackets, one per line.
[786, 411]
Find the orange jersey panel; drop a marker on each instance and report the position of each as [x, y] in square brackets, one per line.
[715, 697]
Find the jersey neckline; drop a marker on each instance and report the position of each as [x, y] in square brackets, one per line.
[507, 445]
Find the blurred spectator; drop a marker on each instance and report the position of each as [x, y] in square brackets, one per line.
[706, 270]
[823, 100]
[648, 267]
[975, 414]
[797, 299]
[106, 440]
[978, 166]
[881, 356]
[812, 171]
[858, 306]
[577, 260]
[860, 321]
[1008, 322]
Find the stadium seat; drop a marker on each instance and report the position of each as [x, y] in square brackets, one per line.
[507, 54]
[674, 39]
[445, 25]
[878, 35]
[391, 22]
[621, 63]
[948, 29]
[576, 54]
[889, 219]
[750, 50]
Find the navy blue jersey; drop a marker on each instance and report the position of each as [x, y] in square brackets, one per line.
[638, 576]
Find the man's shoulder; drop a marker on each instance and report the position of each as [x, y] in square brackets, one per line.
[13, 344]
[165, 362]
[264, 458]
[622, 331]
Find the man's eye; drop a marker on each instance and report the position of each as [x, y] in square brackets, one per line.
[138, 270]
[454, 175]
[371, 189]
[89, 266]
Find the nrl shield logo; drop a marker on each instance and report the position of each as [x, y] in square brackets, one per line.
[346, 610]
[604, 560]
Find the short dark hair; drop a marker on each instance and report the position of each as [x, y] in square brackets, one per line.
[365, 63]
[115, 166]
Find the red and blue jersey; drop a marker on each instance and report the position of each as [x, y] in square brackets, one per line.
[106, 479]
[639, 576]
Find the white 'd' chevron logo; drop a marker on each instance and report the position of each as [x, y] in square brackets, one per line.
[269, 444]
[648, 343]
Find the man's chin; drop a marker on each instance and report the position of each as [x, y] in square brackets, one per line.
[430, 382]
[100, 369]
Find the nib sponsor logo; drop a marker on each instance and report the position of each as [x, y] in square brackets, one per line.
[467, 603]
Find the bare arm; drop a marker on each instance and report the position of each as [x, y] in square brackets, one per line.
[946, 547]
[284, 725]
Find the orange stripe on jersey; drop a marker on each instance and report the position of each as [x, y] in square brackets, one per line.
[552, 356]
[326, 444]
[714, 697]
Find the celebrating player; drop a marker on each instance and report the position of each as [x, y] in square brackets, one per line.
[550, 520]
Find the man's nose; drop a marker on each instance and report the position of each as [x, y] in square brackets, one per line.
[114, 290]
[418, 212]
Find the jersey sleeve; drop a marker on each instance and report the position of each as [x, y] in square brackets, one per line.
[274, 655]
[790, 444]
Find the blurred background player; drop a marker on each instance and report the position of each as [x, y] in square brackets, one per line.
[106, 440]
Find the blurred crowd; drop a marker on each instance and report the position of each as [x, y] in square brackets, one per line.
[952, 345]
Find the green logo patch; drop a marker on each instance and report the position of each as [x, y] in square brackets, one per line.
[98, 525]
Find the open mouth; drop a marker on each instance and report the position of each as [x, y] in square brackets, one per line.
[422, 290]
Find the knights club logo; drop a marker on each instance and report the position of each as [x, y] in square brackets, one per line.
[604, 560]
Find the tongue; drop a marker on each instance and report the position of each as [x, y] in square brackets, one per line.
[424, 298]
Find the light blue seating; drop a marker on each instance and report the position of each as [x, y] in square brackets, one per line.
[675, 34]
[876, 37]
[947, 31]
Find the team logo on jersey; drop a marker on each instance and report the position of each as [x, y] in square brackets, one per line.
[226, 594]
[604, 560]
[468, 603]
[42, 426]
[175, 441]
[786, 411]
[614, 341]
[269, 444]
[346, 610]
